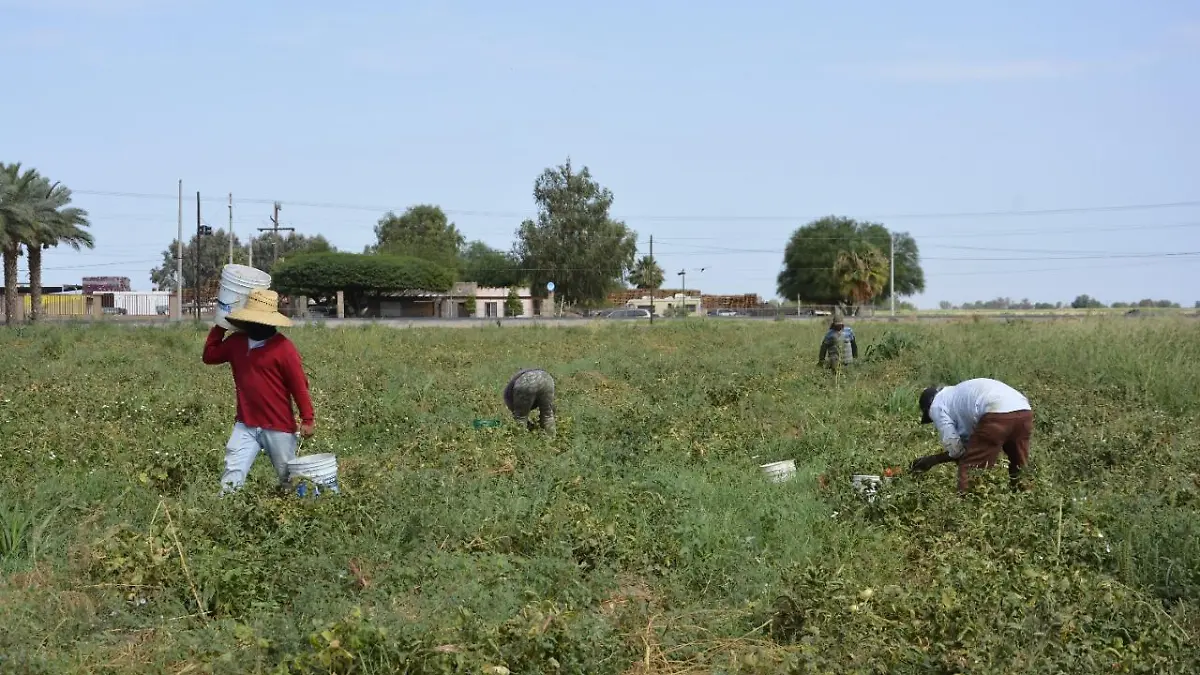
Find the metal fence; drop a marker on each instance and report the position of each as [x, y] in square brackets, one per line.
[67, 306]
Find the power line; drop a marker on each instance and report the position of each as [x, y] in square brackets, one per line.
[1073, 255]
[969, 235]
[693, 218]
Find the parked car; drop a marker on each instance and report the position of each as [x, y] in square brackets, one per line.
[629, 314]
[722, 312]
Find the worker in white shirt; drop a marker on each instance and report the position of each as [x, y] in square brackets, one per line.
[976, 420]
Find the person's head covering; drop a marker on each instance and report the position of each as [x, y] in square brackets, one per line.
[262, 308]
[837, 319]
[927, 401]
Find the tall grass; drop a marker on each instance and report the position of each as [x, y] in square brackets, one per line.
[643, 537]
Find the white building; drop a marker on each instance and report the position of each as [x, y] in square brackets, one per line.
[667, 305]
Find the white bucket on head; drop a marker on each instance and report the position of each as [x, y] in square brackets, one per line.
[236, 283]
[779, 472]
[321, 469]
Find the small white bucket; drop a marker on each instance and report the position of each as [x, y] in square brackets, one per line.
[236, 283]
[866, 485]
[321, 469]
[779, 472]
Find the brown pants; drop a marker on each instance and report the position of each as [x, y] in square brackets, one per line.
[1009, 432]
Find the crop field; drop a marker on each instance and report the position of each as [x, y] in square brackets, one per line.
[642, 539]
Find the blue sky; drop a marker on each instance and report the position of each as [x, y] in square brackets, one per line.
[719, 127]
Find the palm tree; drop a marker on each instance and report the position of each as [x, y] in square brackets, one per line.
[861, 275]
[16, 216]
[646, 273]
[53, 223]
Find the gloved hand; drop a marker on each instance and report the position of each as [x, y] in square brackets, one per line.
[922, 464]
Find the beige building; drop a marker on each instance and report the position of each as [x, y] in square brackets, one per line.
[667, 305]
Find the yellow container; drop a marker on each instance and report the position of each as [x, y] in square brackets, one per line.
[59, 305]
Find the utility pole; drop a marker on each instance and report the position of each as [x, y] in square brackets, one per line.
[653, 304]
[250, 250]
[230, 228]
[276, 229]
[199, 235]
[201, 231]
[683, 274]
[179, 257]
[892, 272]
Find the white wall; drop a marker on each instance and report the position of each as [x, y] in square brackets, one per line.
[484, 295]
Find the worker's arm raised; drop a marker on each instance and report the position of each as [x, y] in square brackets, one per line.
[216, 350]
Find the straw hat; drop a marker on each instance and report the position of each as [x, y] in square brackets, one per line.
[262, 307]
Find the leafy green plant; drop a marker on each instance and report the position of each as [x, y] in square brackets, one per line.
[512, 304]
[891, 345]
[22, 530]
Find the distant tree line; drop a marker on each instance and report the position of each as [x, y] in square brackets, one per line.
[573, 242]
[1080, 302]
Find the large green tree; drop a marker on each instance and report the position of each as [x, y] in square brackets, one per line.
[214, 254]
[422, 231]
[361, 277]
[269, 245]
[34, 215]
[646, 273]
[487, 266]
[811, 256]
[17, 208]
[55, 222]
[861, 274]
[574, 242]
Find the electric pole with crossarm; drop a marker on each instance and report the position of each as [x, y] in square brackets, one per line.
[276, 229]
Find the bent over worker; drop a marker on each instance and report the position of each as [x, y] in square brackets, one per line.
[839, 346]
[976, 420]
[528, 389]
[268, 376]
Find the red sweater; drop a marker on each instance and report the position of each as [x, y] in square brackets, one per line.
[268, 379]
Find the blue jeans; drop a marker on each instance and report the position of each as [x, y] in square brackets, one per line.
[243, 447]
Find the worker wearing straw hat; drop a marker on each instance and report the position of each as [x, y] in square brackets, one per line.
[269, 377]
[529, 389]
[838, 347]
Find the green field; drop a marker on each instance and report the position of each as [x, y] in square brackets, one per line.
[643, 539]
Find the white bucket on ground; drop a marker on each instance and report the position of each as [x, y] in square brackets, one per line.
[779, 472]
[321, 469]
[866, 485]
[236, 283]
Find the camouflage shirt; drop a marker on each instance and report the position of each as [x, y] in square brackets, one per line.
[528, 389]
[839, 347]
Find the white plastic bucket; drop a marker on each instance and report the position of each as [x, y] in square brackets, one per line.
[866, 485]
[321, 469]
[779, 472]
[236, 283]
